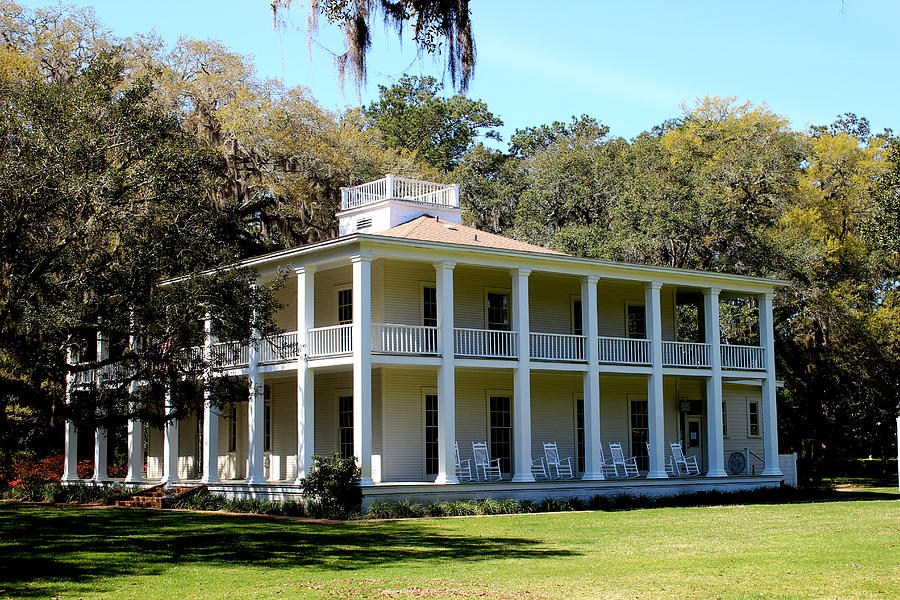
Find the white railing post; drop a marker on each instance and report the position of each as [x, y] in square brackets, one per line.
[593, 445]
[522, 385]
[210, 415]
[389, 183]
[655, 412]
[362, 363]
[446, 374]
[306, 279]
[714, 426]
[770, 411]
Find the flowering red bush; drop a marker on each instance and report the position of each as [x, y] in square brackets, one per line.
[50, 470]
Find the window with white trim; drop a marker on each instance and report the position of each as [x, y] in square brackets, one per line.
[345, 425]
[635, 321]
[345, 306]
[497, 310]
[577, 316]
[724, 418]
[579, 431]
[429, 306]
[232, 429]
[752, 418]
[501, 431]
[431, 432]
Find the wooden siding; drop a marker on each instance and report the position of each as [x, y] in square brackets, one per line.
[736, 397]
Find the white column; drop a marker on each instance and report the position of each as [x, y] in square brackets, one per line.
[306, 277]
[101, 438]
[522, 385]
[592, 443]
[770, 412]
[210, 415]
[135, 431]
[446, 375]
[170, 442]
[653, 319]
[70, 464]
[362, 365]
[255, 411]
[714, 430]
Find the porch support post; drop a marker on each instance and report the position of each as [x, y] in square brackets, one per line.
[522, 384]
[306, 276]
[362, 365]
[210, 415]
[101, 437]
[714, 428]
[70, 464]
[653, 318]
[170, 441]
[135, 430]
[770, 411]
[255, 410]
[446, 375]
[593, 445]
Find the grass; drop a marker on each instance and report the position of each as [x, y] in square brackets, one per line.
[840, 549]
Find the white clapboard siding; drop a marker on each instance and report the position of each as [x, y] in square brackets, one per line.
[328, 281]
[472, 389]
[402, 409]
[550, 303]
[286, 296]
[736, 397]
[326, 386]
[283, 404]
[553, 412]
[155, 452]
[188, 444]
[403, 291]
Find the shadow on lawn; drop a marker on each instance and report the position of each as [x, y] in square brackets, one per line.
[42, 545]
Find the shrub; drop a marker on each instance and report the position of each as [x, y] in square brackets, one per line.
[333, 482]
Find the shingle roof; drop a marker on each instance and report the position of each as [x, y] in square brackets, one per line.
[428, 228]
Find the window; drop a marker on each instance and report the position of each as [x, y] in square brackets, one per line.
[577, 317]
[579, 431]
[640, 432]
[636, 321]
[233, 427]
[498, 311]
[724, 419]
[429, 307]
[431, 434]
[753, 418]
[267, 427]
[345, 425]
[345, 306]
[501, 431]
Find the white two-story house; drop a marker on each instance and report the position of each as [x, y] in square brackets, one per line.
[411, 335]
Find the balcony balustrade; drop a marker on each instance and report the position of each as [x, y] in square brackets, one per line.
[405, 339]
[330, 341]
[554, 346]
[278, 348]
[484, 343]
[400, 188]
[686, 354]
[743, 358]
[624, 351]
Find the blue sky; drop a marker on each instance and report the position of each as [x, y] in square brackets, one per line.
[629, 64]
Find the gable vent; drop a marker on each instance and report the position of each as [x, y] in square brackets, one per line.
[363, 224]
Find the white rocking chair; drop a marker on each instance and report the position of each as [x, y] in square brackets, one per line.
[629, 465]
[489, 468]
[686, 465]
[539, 469]
[563, 466]
[671, 471]
[606, 466]
[463, 467]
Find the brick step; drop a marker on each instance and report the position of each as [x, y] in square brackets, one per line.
[156, 497]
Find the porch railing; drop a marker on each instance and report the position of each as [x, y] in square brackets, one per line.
[484, 343]
[228, 355]
[405, 339]
[624, 351]
[685, 354]
[554, 346]
[743, 358]
[279, 348]
[329, 341]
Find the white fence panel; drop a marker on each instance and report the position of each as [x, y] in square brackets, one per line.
[405, 339]
[485, 343]
[624, 351]
[554, 346]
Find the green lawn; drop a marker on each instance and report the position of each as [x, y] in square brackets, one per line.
[845, 549]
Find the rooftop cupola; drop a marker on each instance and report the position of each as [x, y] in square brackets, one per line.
[379, 205]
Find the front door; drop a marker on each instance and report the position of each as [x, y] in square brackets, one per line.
[693, 437]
